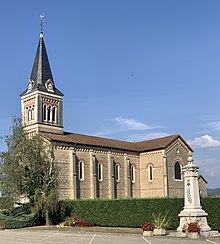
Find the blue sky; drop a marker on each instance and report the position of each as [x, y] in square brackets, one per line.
[129, 69]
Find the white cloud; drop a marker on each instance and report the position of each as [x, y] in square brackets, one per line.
[205, 141]
[120, 127]
[132, 124]
[215, 125]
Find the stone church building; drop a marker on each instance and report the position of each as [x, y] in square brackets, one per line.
[95, 167]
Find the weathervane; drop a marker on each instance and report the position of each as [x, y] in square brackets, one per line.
[41, 23]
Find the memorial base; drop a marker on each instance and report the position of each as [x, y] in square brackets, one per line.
[194, 215]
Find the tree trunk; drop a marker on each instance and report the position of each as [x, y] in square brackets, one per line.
[48, 222]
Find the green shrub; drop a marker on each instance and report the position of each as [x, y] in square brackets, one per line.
[6, 203]
[134, 212]
[9, 222]
[18, 217]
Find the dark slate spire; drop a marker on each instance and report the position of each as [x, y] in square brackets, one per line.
[41, 76]
[41, 71]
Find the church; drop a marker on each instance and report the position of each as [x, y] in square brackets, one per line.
[93, 167]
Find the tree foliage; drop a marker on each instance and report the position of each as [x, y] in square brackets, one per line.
[27, 168]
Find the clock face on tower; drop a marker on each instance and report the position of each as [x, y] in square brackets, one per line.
[49, 85]
[30, 84]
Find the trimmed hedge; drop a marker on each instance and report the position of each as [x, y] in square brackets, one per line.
[114, 213]
[212, 207]
[124, 212]
[134, 212]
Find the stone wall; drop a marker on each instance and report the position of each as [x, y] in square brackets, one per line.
[176, 152]
[154, 187]
[162, 184]
[62, 156]
[90, 186]
[202, 186]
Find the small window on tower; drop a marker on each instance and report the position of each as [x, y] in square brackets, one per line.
[44, 112]
[32, 113]
[54, 114]
[26, 114]
[29, 114]
[48, 113]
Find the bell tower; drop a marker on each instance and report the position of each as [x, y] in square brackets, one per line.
[41, 102]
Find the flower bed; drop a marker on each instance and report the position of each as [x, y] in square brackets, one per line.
[73, 221]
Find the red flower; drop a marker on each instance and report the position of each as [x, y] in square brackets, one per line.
[148, 226]
[74, 221]
[193, 227]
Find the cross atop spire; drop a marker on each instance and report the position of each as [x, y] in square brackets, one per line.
[41, 23]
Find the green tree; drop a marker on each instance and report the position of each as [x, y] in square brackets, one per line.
[27, 168]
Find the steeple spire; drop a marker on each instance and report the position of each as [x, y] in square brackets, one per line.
[41, 76]
[41, 102]
[41, 71]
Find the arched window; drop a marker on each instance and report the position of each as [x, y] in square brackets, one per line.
[26, 114]
[177, 171]
[48, 113]
[44, 112]
[132, 173]
[150, 172]
[100, 171]
[117, 172]
[81, 170]
[32, 113]
[29, 114]
[54, 114]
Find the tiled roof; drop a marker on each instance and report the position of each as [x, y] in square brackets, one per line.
[202, 177]
[86, 140]
[158, 143]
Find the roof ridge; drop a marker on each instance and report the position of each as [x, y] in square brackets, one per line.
[133, 142]
[163, 137]
[101, 137]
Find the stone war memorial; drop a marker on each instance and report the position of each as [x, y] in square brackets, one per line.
[192, 211]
